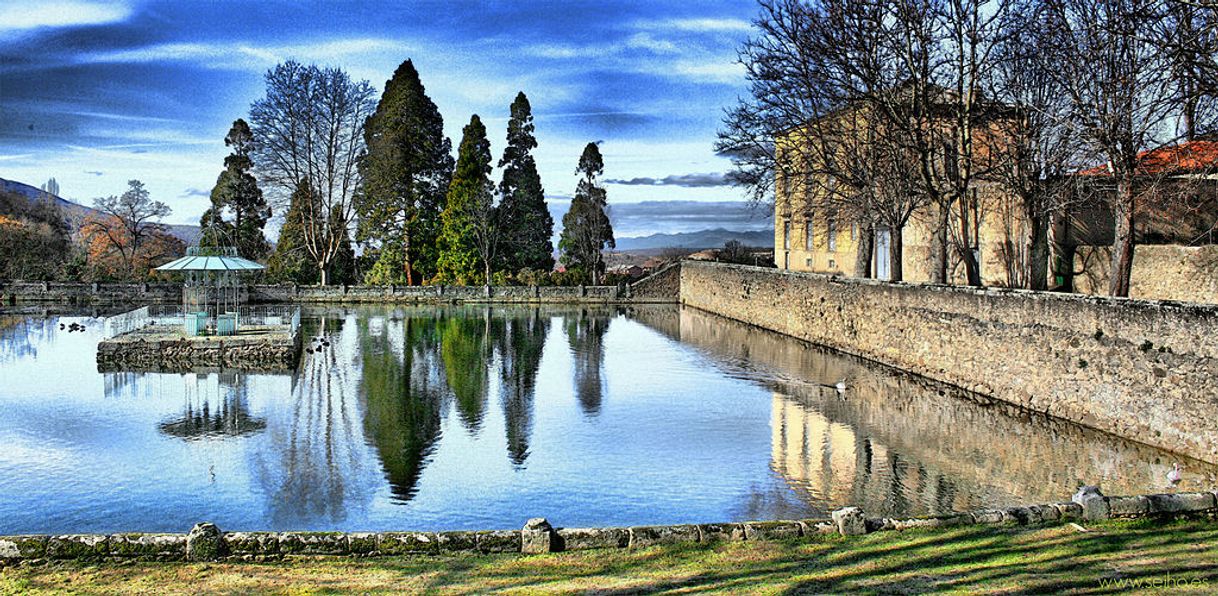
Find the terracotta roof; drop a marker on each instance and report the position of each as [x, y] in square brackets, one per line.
[1190, 157]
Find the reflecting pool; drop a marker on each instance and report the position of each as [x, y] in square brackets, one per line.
[469, 417]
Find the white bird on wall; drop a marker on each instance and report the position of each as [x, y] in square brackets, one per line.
[1174, 475]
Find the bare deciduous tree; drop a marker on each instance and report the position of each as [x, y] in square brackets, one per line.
[309, 128]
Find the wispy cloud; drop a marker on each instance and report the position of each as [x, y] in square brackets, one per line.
[21, 16]
[93, 172]
[684, 180]
[710, 25]
[696, 25]
[241, 56]
[194, 192]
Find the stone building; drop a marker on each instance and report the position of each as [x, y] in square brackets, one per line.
[814, 231]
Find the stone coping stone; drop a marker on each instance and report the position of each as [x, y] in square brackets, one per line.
[644, 536]
[498, 541]
[1181, 502]
[158, 546]
[80, 546]
[721, 532]
[313, 543]
[253, 543]
[592, 538]
[267, 545]
[23, 547]
[772, 530]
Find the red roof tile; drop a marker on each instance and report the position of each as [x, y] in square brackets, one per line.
[1190, 157]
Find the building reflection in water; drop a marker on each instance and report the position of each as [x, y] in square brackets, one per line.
[900, 445]
[214, 411]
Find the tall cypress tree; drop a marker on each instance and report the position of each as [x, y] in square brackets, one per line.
[406, 173]
[290, 262]
[468, 236]
[524, 221]
[237, 190]
[586, 229]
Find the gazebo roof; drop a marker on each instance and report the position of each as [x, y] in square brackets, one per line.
[226, 261]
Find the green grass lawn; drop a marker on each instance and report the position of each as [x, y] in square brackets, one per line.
[1110, 557]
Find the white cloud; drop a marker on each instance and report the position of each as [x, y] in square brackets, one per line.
[241, 56]
[20, 16]
[706, 25]
[715, 71]
[710, 25]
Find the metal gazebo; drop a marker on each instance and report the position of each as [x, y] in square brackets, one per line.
[212, 287]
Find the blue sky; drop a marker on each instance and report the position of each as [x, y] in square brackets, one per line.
[95, 92]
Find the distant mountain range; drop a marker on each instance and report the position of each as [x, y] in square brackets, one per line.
[77, 213]
[715, 238]
[696, 240]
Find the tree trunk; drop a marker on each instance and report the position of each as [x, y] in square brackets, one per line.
[325, 276]
[409, 268]
[1122, 243]
[863, 250]
[938, 249]
[895, 249]
[971, 269]
[1036, 273]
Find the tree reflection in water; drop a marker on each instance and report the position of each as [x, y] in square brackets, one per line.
[314, 471]
[404, 389]
[586, 336]
[520, 350]
[465, 346]
[421, 360]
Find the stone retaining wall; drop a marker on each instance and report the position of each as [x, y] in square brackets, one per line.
[267, 352]
[1139, 369]
[206, 542]
[661, 289]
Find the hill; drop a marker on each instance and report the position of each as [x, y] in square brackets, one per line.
[702, 239]
[76, 213]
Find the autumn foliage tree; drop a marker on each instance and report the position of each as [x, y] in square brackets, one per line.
[126, 239]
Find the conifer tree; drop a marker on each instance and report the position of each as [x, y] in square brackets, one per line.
[406, 173]
[524, 221]
[290, 262]
[343, 268]
[468, 240]
[586, 229]
[237, 191]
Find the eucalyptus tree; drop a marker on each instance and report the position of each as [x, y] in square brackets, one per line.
[586, 229]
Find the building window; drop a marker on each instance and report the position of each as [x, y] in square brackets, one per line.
[831, 234]
[808, 234]
[786, 234]
[854, 232]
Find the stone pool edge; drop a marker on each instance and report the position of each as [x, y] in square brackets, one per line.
[206, 542]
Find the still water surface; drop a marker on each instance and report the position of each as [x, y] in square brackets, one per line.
[475, 417]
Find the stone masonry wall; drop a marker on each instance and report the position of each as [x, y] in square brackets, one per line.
[663, 289]
[1160, 272]
[1142, 370]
